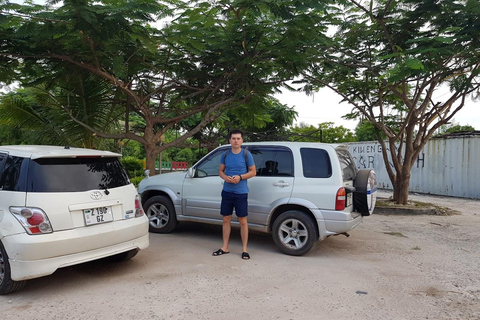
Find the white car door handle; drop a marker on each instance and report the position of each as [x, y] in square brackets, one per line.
[281, 184]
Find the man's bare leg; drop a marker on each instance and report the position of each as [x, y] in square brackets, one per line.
[244, 232]
[226, 230]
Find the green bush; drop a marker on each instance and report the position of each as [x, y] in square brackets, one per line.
[136, 180]
[133, 166]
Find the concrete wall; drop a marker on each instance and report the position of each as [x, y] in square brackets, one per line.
[448, 166]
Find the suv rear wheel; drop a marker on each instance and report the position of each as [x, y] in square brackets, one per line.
[7, 285]
[294, 233]
[160, 212]
[365, 196]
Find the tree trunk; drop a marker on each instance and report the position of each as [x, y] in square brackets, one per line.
[402, 179]
[400, 189]
[150, 157]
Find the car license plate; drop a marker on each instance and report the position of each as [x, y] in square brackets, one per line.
[98, 215]
[349, 199]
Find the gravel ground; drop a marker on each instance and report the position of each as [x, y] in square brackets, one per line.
[391, 267]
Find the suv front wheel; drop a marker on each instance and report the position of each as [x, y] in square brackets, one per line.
[294, 233]
[161, 214]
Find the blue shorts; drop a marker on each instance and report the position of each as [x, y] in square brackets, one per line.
[234, 200]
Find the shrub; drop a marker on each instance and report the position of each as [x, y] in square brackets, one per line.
[136, 180]
[133, 166]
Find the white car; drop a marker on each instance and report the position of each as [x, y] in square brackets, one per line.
[62, 206]
[303, 192]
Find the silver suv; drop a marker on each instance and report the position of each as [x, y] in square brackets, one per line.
[303, 192]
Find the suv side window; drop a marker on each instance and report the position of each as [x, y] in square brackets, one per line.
[209, 166]
[347, 164]
[272, 161]
[316, 163]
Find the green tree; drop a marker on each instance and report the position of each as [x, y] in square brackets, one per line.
[389, 58]
[366, 131]
[210, 58]
[454, 128]
[325, 132]
[264, 122]
[10, 135]
[269, 123]
[42, 112]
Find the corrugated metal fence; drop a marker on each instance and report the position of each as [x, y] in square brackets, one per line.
[447, 166]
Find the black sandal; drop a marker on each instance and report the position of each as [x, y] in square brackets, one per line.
[219, 252]
[245, 256]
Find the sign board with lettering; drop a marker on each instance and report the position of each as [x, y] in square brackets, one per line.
[446, 166]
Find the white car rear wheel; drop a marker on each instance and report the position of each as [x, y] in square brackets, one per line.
[7, 285]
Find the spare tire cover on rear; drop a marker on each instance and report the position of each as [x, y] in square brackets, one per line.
[365, 194]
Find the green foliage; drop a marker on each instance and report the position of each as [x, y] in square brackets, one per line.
[132, 149]
[133, 166]
[366, 131]
[43, 113]
[391, 55]
[389, 58]
[459, 128]
[210, 58]
[136, 180]
[267, 120]
[454, 128]
[11, 135]
[325, 132]
[185, 155]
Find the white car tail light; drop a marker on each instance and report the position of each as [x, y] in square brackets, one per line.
[34, 220]
[340, 199]
[138, 207]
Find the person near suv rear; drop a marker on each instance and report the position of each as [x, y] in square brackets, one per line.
[235, 169]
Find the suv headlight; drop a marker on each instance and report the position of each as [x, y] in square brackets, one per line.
[34, 220]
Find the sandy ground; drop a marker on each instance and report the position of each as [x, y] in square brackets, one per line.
[391, 267]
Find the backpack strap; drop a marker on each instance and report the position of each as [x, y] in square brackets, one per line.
[245, 153]
[225, 154]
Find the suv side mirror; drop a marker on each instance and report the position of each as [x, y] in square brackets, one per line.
[191, 172]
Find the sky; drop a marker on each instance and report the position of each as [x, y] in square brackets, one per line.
[325, 106]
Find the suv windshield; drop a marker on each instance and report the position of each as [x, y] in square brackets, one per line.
[75, 174]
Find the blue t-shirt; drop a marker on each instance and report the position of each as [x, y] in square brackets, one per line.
[234, 166]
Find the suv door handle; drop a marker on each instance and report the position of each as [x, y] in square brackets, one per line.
[281, 183]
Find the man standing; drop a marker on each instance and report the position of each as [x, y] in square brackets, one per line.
[236, 167]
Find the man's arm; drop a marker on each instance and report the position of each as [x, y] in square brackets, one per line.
[221, 173]
[252, 172]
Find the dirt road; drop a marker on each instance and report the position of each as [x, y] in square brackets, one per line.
[391, 267]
